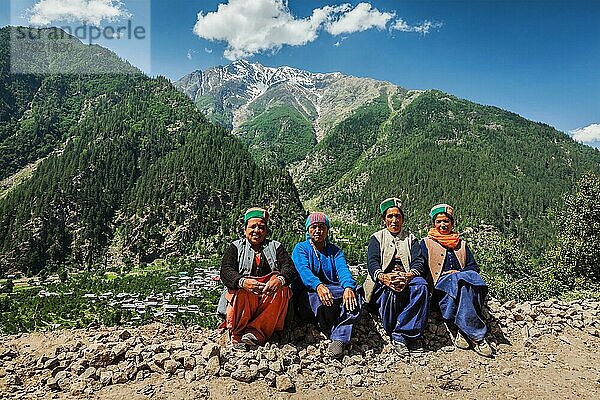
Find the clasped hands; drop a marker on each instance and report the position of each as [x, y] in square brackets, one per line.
[349, 297]
[396, 280]
[260, 288]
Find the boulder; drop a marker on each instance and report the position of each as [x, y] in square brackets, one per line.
[213, 366]
[210, 350]
[244, 373]
[284, 383]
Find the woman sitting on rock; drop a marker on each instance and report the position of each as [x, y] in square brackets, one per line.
[395, 283]
[256, 273]
[327, 290]
[459, 290]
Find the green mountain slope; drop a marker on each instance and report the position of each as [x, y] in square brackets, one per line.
[351, 142]
[37, 111]
[496, 167]
[278, 136]
[121, 166]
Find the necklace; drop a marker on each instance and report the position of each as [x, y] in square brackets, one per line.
[257, 256]
[317, 252]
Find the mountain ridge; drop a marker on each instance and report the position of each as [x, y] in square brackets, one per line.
[235, 88]
[343, 141]
[116, 168]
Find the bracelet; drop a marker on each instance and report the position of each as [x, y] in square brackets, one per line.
[376, 274]
[281, 279]
[241, 282]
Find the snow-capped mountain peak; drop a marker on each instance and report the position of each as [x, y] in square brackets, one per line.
[254, 77]
[257, 74]
[233, 93]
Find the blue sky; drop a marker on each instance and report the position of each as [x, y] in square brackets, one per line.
[538, 58]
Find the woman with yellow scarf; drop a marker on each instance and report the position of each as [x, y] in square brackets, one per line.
[459, 290]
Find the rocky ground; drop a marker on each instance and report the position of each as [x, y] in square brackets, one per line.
[545, 350]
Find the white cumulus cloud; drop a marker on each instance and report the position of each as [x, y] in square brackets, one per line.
[588, 134]
[255, 26]
[361, 18]
[45, 12]
[424, 28]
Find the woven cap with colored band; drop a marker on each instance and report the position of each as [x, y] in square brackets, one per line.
[256, 212]
[317, 217]
[389, 203]
[441, 208]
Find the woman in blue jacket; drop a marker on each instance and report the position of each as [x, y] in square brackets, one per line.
[328, 290]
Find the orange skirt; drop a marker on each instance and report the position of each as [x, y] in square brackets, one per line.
[258, 314]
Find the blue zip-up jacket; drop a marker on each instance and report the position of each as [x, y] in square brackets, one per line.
[328, 266]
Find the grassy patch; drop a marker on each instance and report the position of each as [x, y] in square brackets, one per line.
[110, 275]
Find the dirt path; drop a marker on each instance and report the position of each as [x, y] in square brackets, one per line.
[564, 366]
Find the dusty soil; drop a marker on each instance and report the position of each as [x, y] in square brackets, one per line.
[563, 366]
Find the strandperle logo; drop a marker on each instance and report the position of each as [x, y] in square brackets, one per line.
[85, 33]
[46, 46]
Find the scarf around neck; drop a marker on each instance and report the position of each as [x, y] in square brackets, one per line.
[450, 240]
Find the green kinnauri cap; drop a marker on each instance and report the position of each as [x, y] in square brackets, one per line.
[256, 212]
[389, 203]
[441, 208]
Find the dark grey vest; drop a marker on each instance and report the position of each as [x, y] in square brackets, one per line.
[245, 261]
